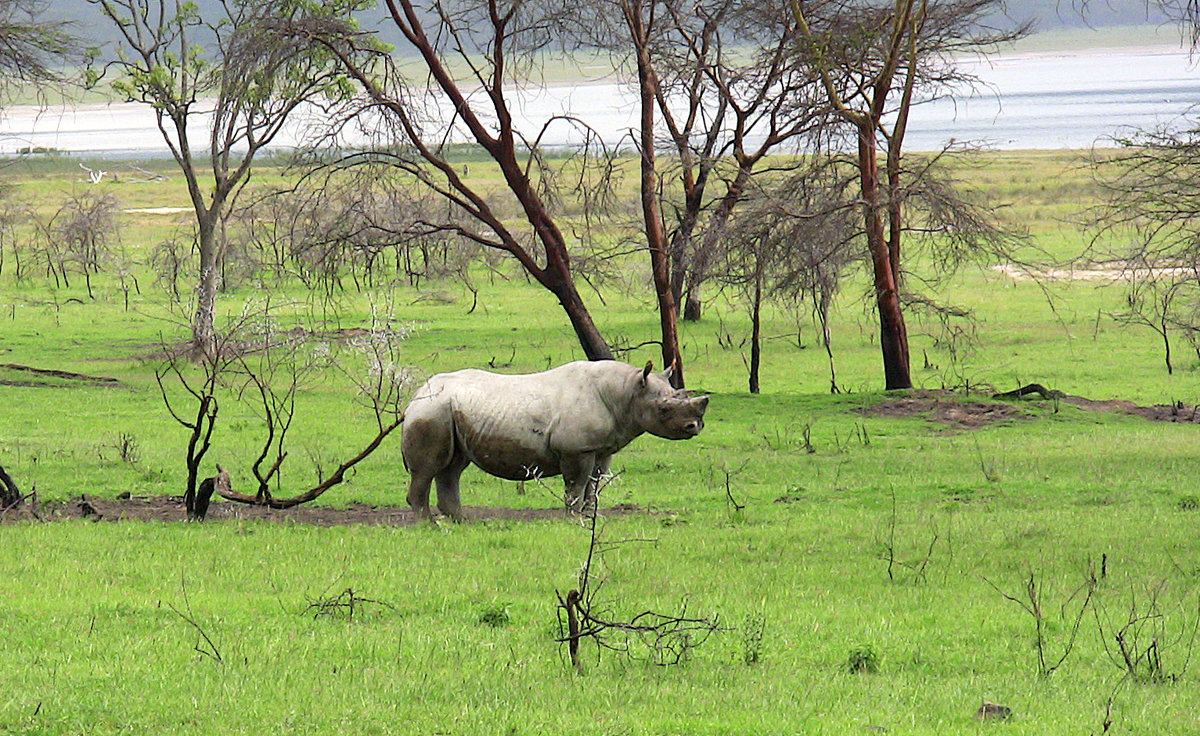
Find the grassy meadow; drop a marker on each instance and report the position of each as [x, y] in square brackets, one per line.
[871, 572]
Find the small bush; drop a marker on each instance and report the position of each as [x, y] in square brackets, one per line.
[862, 660]
[752, 638]
[127, 448]
[495, 616]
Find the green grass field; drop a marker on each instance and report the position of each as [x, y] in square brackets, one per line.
[780, 519]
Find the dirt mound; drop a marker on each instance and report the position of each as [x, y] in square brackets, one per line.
[960, 413]
[170, 508]
[945, 408]
[1177, 412]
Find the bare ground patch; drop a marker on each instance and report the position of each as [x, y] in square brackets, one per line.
[171, 508]
[946, 408]
[1097, 272]
[958, 413]
[1178, 412]
[49, 377]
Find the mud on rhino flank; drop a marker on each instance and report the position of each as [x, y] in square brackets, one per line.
[948, 412]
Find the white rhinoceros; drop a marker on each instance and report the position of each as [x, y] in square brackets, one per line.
[568, 420]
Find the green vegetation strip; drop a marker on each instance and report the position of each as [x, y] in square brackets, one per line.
[871, 559]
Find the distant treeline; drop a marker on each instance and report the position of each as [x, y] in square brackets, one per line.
[1051, 14]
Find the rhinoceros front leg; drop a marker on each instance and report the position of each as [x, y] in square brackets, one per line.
[582, 476]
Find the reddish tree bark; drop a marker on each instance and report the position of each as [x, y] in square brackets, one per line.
[871, 58]
[489, 122]
[881, 213]
[893, 335]
[657, 241]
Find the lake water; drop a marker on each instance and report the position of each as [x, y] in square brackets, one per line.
[1028, 101]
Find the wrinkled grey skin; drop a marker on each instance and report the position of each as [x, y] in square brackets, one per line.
[566, 421]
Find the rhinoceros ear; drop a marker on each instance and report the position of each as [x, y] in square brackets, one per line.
[670, 371]
[700, 403]
[646, 371]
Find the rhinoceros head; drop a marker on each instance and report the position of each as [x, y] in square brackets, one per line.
[665, 411]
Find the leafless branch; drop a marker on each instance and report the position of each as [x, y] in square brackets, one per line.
[667, 638]
[1032, 599]
[204, 643]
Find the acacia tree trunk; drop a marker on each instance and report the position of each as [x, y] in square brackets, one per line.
[756, 328]
[204, 320]
[656, 235]
[10, 495]
[681, 250]
[893, 335]
[556, 276]
[594, 346]
[489, 122]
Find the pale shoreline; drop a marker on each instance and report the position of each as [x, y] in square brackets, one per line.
[35, 111]
[1141, 84]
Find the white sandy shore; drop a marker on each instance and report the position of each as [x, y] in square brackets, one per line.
[1026, 100]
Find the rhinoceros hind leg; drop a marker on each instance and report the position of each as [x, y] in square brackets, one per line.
[418, 495]
[447, 489]
[428, 447]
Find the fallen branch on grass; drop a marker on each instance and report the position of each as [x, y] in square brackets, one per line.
[102, 380]
[346, 603]
[1032, 388]
[339, 475]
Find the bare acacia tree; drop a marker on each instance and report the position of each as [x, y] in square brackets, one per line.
[718, 90]
[1152, 638]
[1036, 598]
[32, 49]
[473, 53]
[792, 241]
[874, 61]
[188, 385]
[362, 223]
[255, 363]
[277, 370]
[222, 89]
[747, 97]
[84, 230]
[667, 639]
[14, 214]
[1152, 211]
[1153, 207]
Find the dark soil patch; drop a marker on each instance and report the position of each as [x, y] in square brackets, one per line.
[1177, 412]
[956, 412]
[945, 408]
[170, 508]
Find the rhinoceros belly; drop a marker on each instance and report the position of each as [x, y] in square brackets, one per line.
[506, 445]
